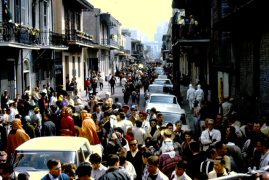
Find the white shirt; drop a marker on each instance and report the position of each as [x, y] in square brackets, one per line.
[97, 173]
[191, 94]
[207, 137]
[184, 176]
[139, 135]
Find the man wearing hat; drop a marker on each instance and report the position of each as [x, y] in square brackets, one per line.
[13, 110]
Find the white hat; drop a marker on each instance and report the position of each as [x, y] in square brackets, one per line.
[10, 102]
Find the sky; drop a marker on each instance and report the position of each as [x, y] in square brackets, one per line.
[143, 15]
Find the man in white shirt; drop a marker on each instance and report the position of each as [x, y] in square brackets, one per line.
[199, 94]
[98, 169]
[210, 136]
[262, 145]
[191, 96]
[180, 172]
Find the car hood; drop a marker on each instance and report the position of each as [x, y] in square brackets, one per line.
[34, 175]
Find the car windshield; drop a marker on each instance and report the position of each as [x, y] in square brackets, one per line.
[33, 160]
[171, 117]
[155, 89]
[162, 81]
[163, 99]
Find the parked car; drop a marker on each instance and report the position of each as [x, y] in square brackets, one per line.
[160, 76]
[32, 156]
[167, 104]
[154, 88]
[166, 83]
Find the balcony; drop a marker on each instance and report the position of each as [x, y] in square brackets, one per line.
[51, 39]
[16, 33]
[104, 41]
[25, 37]
[79, 38]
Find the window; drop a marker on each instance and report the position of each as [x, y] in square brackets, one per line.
[78, 66]
[45, 14]
[85, 151]
[17, 10]
[73, 66]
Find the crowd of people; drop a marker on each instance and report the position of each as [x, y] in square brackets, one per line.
[136, 145]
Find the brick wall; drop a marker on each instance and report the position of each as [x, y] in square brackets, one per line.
[264, 73]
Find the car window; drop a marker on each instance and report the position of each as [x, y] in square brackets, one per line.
[163, 99]
[32, 160]
[86, 151]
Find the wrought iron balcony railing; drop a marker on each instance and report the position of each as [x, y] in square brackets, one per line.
[76, 36]
[15, 33]
[104, 41]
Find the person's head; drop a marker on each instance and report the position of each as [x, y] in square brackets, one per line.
[95, 160]
[181, 167]
[219, 164]
[113, 160]
[3, 157]
[210, 124]
[153, 122]
[17, 124]
[138, 123]
[159, 118]
[195, 147]
[84, 171]
[167, 133]
[7, 172]
[170, 126]
[257, 127]
[211, 153]
[23, 176]
[145, 155]
[178, 125]
[187, 136]
[153, 163]
[262, 144]
[54, 167]
[142, 115]
[218, 119]
[70, 170]
[153, 110]
[36, 110]
[133, 145]
[221, 148]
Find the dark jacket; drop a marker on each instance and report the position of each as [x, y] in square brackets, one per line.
[61, 177]
[115, 174]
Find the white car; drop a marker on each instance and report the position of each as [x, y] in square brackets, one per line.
[33, 155]
[168, 85]
[153, 88]
[160, 76]
[167, 104]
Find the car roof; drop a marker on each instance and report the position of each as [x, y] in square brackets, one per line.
[53, 143]
[169, 108]
[161, 94]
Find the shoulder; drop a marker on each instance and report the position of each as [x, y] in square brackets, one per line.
[46, 177]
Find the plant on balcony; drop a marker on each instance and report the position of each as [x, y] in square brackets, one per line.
[34, 31]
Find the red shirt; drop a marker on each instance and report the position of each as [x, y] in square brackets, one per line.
[87, 83]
